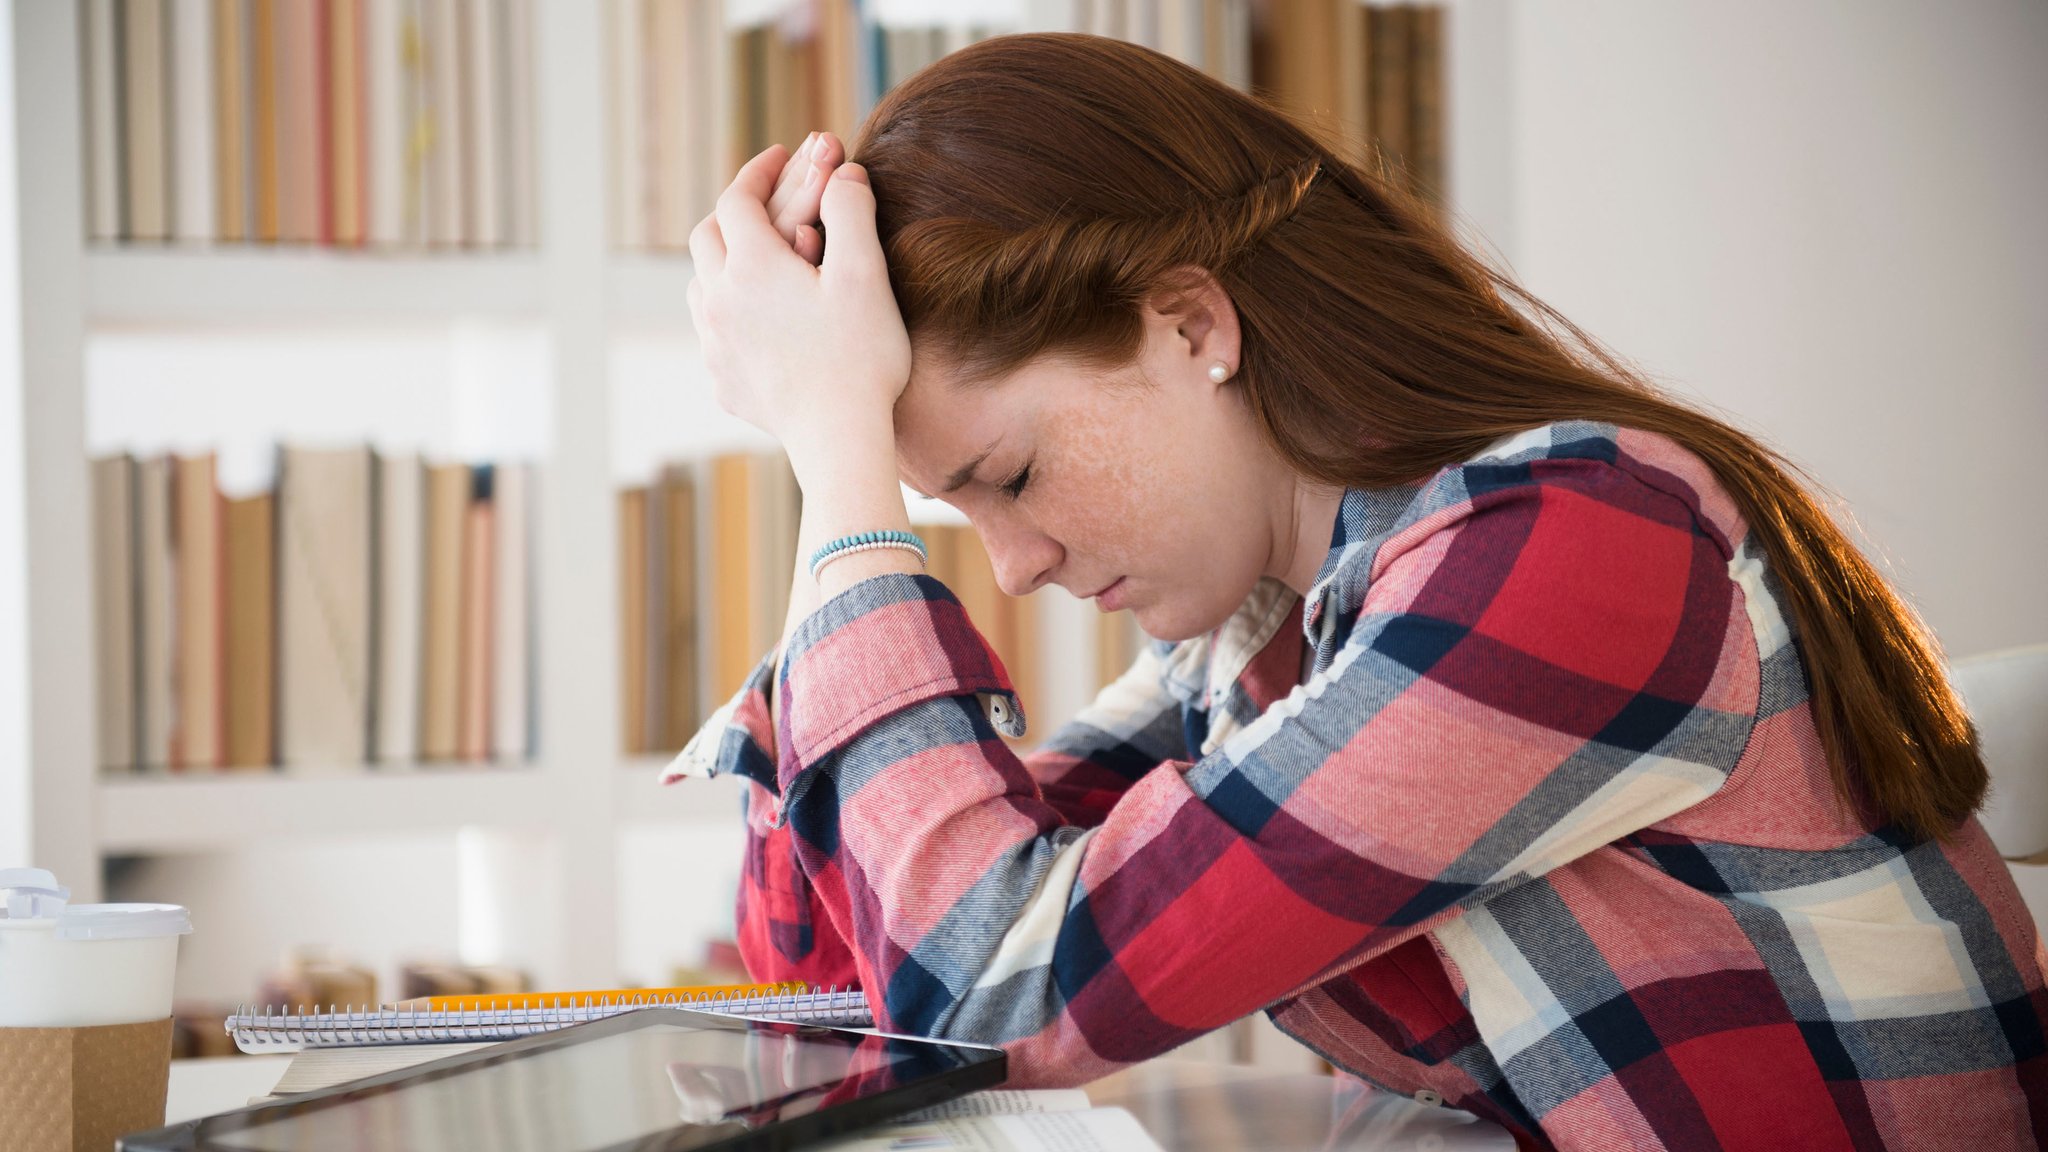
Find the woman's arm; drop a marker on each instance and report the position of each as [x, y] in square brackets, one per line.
[1505, 702]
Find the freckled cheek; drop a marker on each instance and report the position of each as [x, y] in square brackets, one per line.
[1124, 515]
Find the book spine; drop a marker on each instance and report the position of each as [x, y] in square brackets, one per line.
[264, 118]
[192, 119]
[114, 590]
[105, 155]
[384, 148]
[484, 156]
[146, 103]
[230, 120]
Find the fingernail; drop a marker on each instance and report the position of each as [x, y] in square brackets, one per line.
[808, 141]
[811, 177]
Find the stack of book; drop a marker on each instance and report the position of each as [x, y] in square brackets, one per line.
[1368, 77]
[372, 609]
[693, 96]
[720, 535]
[716, 542]
[393, 123]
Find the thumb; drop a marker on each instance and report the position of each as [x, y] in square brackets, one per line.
[848, 213]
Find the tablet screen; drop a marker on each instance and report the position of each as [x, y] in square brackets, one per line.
[697, 1086]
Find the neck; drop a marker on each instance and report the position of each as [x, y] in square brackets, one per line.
[1302, 538]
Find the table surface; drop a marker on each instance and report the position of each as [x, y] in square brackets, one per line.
[1187, 1106]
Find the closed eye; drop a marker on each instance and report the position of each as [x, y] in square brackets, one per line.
[1014, 486]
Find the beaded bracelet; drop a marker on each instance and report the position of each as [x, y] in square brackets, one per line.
[867, 542]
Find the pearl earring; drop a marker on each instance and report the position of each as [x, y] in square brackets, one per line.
[1219, 372]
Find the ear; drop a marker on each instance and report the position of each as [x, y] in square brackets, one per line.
[1202, 323]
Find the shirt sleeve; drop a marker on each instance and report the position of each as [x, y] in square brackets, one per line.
[1546, 669]
[1131, 727]
[779, 919]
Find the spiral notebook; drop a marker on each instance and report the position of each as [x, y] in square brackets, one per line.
[283, 1030]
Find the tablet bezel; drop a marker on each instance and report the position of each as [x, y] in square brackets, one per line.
[974, 1067]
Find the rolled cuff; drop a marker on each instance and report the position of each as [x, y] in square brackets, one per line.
[737, 739]
[885, 644]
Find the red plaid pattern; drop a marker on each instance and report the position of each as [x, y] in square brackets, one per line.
[1546, 829]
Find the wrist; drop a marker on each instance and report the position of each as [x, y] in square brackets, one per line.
[835, 452]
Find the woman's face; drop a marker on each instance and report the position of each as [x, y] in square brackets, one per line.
[1147, 488]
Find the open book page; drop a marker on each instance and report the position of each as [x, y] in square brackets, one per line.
[1001, 1101]
[1090, 1130]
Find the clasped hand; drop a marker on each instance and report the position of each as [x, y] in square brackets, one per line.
[802, 338]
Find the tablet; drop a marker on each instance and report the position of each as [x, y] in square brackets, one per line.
[662, 1078]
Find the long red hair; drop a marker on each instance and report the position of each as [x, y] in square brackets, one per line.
[1035, 190]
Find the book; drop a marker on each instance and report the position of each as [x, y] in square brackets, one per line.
[678, 638]
[473, 677]
[154, 612]
[633, 621]
[447, 511]
[105, 151]
[516, 72]
[446, 122]
[199, 628]
[114, 610]
[344, 127]
[145, 121]
[264, 156]
[250, 675]
[323, 572]
[297, 51]
[654, 587]
[1426, 102]
[400, 528]
[417, 111]
[483, 160]
[671, 120]
[384, 123]
[231, 98]
[1388, 33]
[732, 590]
[512, 612]
[192, 120]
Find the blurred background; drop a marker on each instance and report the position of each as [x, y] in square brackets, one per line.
[369, 537]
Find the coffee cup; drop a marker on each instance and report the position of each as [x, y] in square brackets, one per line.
[85, 1013]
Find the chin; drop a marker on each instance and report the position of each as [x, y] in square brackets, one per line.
[1180, 619]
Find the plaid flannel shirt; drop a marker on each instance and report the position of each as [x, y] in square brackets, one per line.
[1546, 830]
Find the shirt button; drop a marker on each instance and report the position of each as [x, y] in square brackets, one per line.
[998, 709]
[1433, 1099]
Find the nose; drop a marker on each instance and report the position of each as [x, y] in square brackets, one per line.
[1023, 557]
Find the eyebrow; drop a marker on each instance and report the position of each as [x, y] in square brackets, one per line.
[965, 472]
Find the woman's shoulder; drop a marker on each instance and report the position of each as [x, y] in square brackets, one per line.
[1594, 456]
[1576, 479]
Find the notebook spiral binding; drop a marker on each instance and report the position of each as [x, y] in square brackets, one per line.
[270, 1030]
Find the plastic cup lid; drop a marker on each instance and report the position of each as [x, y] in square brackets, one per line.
[122, 921]
[35, 899]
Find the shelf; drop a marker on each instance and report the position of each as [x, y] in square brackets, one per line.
[642, 797]
[305, 286]
[185, 813]
[145, 814]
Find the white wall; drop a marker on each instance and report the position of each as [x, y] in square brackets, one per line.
[1826, 218]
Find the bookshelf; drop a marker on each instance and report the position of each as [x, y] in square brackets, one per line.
[240, 287]
[577, 285]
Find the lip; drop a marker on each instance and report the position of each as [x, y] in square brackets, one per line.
[1111, 597]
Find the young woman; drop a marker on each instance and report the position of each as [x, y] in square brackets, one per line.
[1515, 736]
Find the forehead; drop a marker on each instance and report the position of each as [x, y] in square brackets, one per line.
[942, 423]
